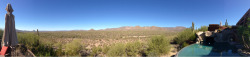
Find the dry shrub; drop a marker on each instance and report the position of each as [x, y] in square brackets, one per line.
[158, 45]
[73, 48]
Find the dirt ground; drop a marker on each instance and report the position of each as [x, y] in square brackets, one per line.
[173, 50]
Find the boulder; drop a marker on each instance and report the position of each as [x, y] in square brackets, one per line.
[225, 36]
[208, 33]
[201, 36]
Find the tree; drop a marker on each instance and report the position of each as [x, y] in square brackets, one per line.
[244, 33]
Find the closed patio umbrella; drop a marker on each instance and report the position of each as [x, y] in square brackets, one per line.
[9, 35]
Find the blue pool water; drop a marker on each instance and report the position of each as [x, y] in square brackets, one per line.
[197, 50]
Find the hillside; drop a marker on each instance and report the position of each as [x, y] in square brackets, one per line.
[139, 28]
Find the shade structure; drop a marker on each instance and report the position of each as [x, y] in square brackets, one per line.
[9, 36]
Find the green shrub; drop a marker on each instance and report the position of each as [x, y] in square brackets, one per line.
[244, 35]
[32, 42]
[59, 51]
[96, 51]
[58, 44]
[192, 37]
[184, 36]
[105, 49]
[73, 48]
[184, 44]
[1, 33]
[133, 49]
[28, 39]
[153, 53]
[43, 50]
[121, 49]
[203, 28]
[117, 50]
[158, 45]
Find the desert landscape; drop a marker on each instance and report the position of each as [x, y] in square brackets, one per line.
[90, 39]
[125, 28]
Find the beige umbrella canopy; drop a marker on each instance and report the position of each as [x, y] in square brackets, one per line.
[9, 35]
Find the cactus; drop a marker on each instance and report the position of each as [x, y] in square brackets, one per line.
[37, 32]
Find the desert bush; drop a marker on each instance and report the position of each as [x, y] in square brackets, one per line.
[192, 37]
[43, 50]
[203, 28]
[58, 44]
[134, 48]
[158, 45]
[184, 36]
[28, 39]
[73, 48]
[118, 49]
[32, 42]
[1, 33]
[122, 49]
[184, 44]
[59, 51]
[96, 51]
[105, 49]
[244, 35]
[101, 34]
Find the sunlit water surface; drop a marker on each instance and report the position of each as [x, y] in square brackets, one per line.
[197, 50]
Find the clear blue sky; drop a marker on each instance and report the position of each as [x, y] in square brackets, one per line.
[100, 14]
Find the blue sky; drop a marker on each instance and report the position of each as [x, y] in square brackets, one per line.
[52, 15]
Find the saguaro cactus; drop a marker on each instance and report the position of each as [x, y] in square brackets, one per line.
[37, 32]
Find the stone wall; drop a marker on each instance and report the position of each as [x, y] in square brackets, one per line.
[226, 35]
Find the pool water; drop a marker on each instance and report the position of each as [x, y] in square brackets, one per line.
[197, 50]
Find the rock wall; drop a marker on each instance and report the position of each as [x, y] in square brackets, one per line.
[203, 35]
[227, 35]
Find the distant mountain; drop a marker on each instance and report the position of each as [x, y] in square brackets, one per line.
[17, 30]
[126, 28]
[137, 28]
[177, 28]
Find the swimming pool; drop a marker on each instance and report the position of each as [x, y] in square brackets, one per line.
[197, 50]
